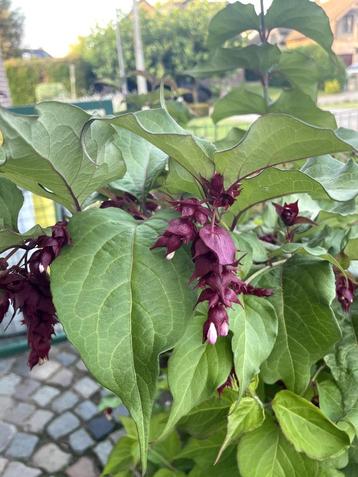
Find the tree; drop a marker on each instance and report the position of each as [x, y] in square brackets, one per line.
[11, 29]
[174, 39]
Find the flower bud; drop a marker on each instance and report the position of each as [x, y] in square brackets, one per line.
[212, 334]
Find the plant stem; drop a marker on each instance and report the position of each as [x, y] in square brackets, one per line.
[262, 270]
[263, 37]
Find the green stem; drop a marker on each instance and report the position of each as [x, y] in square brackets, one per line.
[263, 270]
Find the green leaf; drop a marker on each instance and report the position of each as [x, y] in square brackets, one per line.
[352, 249]
[210, 416]
[122, 304]
[338, 178]
[254, 328]
[169, 473]
[348, 135]
[306, 427]
[179, 180]
[226, 467]
[245, 415]
[273, 183]
[301, 106]
[11, 201]
[204, 451]
[257, 58]
[232, 20]
[144, 163]
[238, 101]
[275, 139]
[266, 452]
[330, 398]
[124, 456]
[196, 370]
[302, 15]
[307, 329]
[160, 129]
[300, 70]
[231, 139]
[44, 154]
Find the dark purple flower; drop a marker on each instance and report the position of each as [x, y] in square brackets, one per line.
[269, 238]
[228, 383]
[289, 214]
[345, 291]
[193, 209]
[4, 304]
[219, 241]
[216, 193]
[179, 231]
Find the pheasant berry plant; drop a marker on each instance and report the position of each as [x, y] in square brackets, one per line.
[211, 286]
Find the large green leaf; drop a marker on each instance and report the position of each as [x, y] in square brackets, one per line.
[244, 416]
[302, 15]
[238, 101]
[210, 416]
[274, 139]
[121, 304]
[307, 326]
[196, 369]
[266, 452]
[124, 456]
[160, 129]
[300, 70]
[232, 20]
[179, 181]
[338, 178]
[306, 427]
[10, 238]
[44, 154]
[300, 105]
[257, 58]
[330, 397]
[11, 201]
[343, 363]
[254, 327]
[352, 249]
[272, 183]
[144, 163]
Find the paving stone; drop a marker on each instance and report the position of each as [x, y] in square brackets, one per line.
[120, 411]
[66, 358]
[65, 401]
[86, 387]
[19, 413]
[5, 365]
[22, 446]
[45, 394]
[7, 432]
[80, 365]
[17, 469]
[115, 436]
[80, 441]
[62, 378]
[51, 458]
[6, 403]
[63, 425]
[100, 427]
[8, 384]
[102, 450]
[86, 410]
[26, 388]
[84, 467]
[21, 366]
[38, 420]
[44, 371]
[3, 463]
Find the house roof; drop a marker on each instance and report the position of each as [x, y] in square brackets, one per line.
[334, 9]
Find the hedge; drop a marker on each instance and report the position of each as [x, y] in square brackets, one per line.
[25, 75]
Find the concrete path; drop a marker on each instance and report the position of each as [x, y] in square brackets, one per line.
[50, 425]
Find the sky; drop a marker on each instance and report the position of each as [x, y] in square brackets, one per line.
[55, 24]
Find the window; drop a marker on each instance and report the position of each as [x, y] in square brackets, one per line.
[348, 23]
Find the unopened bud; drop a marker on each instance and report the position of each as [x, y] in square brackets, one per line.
[212, 334]
[170, 256]
[224, 329]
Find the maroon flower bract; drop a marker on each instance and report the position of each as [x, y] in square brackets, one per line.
[213, 253]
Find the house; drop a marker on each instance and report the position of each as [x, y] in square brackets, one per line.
[343, 17]
[39, 53]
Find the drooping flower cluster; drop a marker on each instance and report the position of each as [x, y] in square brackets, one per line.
[345, 289]
[213, 253]
[27, 289]
[130, 204]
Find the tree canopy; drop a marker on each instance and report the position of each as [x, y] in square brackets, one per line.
[11, 29]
